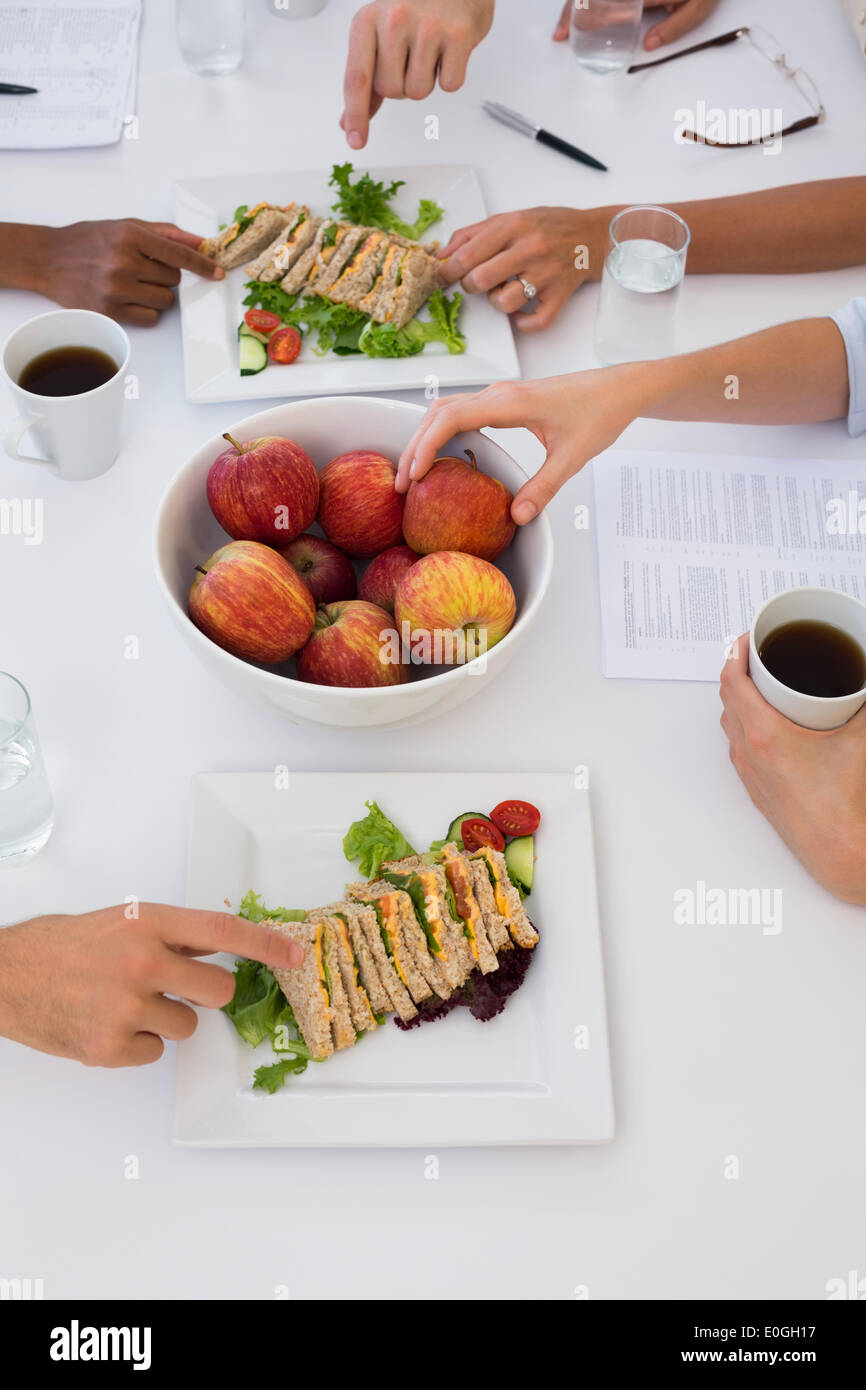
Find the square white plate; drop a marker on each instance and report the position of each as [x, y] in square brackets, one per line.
[211, 310]
[518, 1079]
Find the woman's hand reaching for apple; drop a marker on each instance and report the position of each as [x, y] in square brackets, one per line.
[107, 987]
[575, 417]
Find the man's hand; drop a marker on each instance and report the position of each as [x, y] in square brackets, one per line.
[811, 786]
[555, 249]
[396, 48]
[96, 987]
[126, 269]
[575, 417]
[683, 16]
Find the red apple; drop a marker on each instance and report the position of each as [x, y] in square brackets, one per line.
[250, 601]
[326, 571]
[450, 607]
[265, 490]
[456, 507]
[359, 511]
[381, 577]
[353, 644]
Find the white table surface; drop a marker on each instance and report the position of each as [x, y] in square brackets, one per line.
[724, 1041]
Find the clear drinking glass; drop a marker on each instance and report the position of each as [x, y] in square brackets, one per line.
[604, 32]
[640, 285]
[210, 35]
[26, 804]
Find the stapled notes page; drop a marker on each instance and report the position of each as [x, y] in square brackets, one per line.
[690, 546]
[82, 60]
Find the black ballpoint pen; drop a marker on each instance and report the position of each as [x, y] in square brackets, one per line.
[11, 89]
[535, 132]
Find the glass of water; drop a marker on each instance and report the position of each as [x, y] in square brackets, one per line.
[604, 33]
[210, 35]
[26, 804]
[640, 285]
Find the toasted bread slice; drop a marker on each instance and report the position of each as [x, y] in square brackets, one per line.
[354, 915]
[232, 247]
[332, 257]
[305, 987]
[386, 281]
[392, 919]
[360, 271]
[350, 971]
[372, 924]
[506, 897]
[419, 277]
[458, 872]
[494, 923]
[278, 258]
[427, 886]
[341, 1018]
[305, 265]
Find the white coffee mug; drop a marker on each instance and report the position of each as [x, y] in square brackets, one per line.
[79, 436]
[807, 605]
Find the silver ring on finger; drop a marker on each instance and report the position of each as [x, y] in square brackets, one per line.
[529, 290]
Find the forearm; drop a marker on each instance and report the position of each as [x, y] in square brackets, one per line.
[787, 375]
[779, 231]
[24, 255]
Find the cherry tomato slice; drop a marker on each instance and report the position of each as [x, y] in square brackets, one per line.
[516, 817]
[284, 345]
[262, 320]
[478, 832]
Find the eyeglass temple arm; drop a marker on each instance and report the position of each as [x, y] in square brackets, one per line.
[695, 48]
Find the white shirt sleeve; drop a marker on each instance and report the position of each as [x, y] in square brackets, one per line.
[851, 322]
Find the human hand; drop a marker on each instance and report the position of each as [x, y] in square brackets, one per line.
[396, 48]
[575, 417]
[683, 16]
[125, 269]
[555, 249]
[95, 987]
[810, 785]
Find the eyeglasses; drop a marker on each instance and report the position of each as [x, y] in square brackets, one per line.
[769, 48]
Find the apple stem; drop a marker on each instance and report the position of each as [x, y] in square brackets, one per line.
[468, 452]
[323, 619]
[241, 448]
[201, 569]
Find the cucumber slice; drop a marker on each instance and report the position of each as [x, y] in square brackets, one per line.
[456, 825]
[244, 331]
[520, 860]
[252, 356]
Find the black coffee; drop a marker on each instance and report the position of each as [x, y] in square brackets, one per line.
[67, 371]
[814, 658]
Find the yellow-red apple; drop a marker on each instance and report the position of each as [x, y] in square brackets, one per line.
[353, 644]
[326, 571]
[265, 490]
[457, 507]
[451, 606]
[250, 601]
[359, 511]
[381, 577]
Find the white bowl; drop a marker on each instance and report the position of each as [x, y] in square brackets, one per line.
[186, 533]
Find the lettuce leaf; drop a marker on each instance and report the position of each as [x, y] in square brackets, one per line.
[367, 203]
[385, 340]
[273, 1077]
[258, 1005]
[254, 910]
[373, 839]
